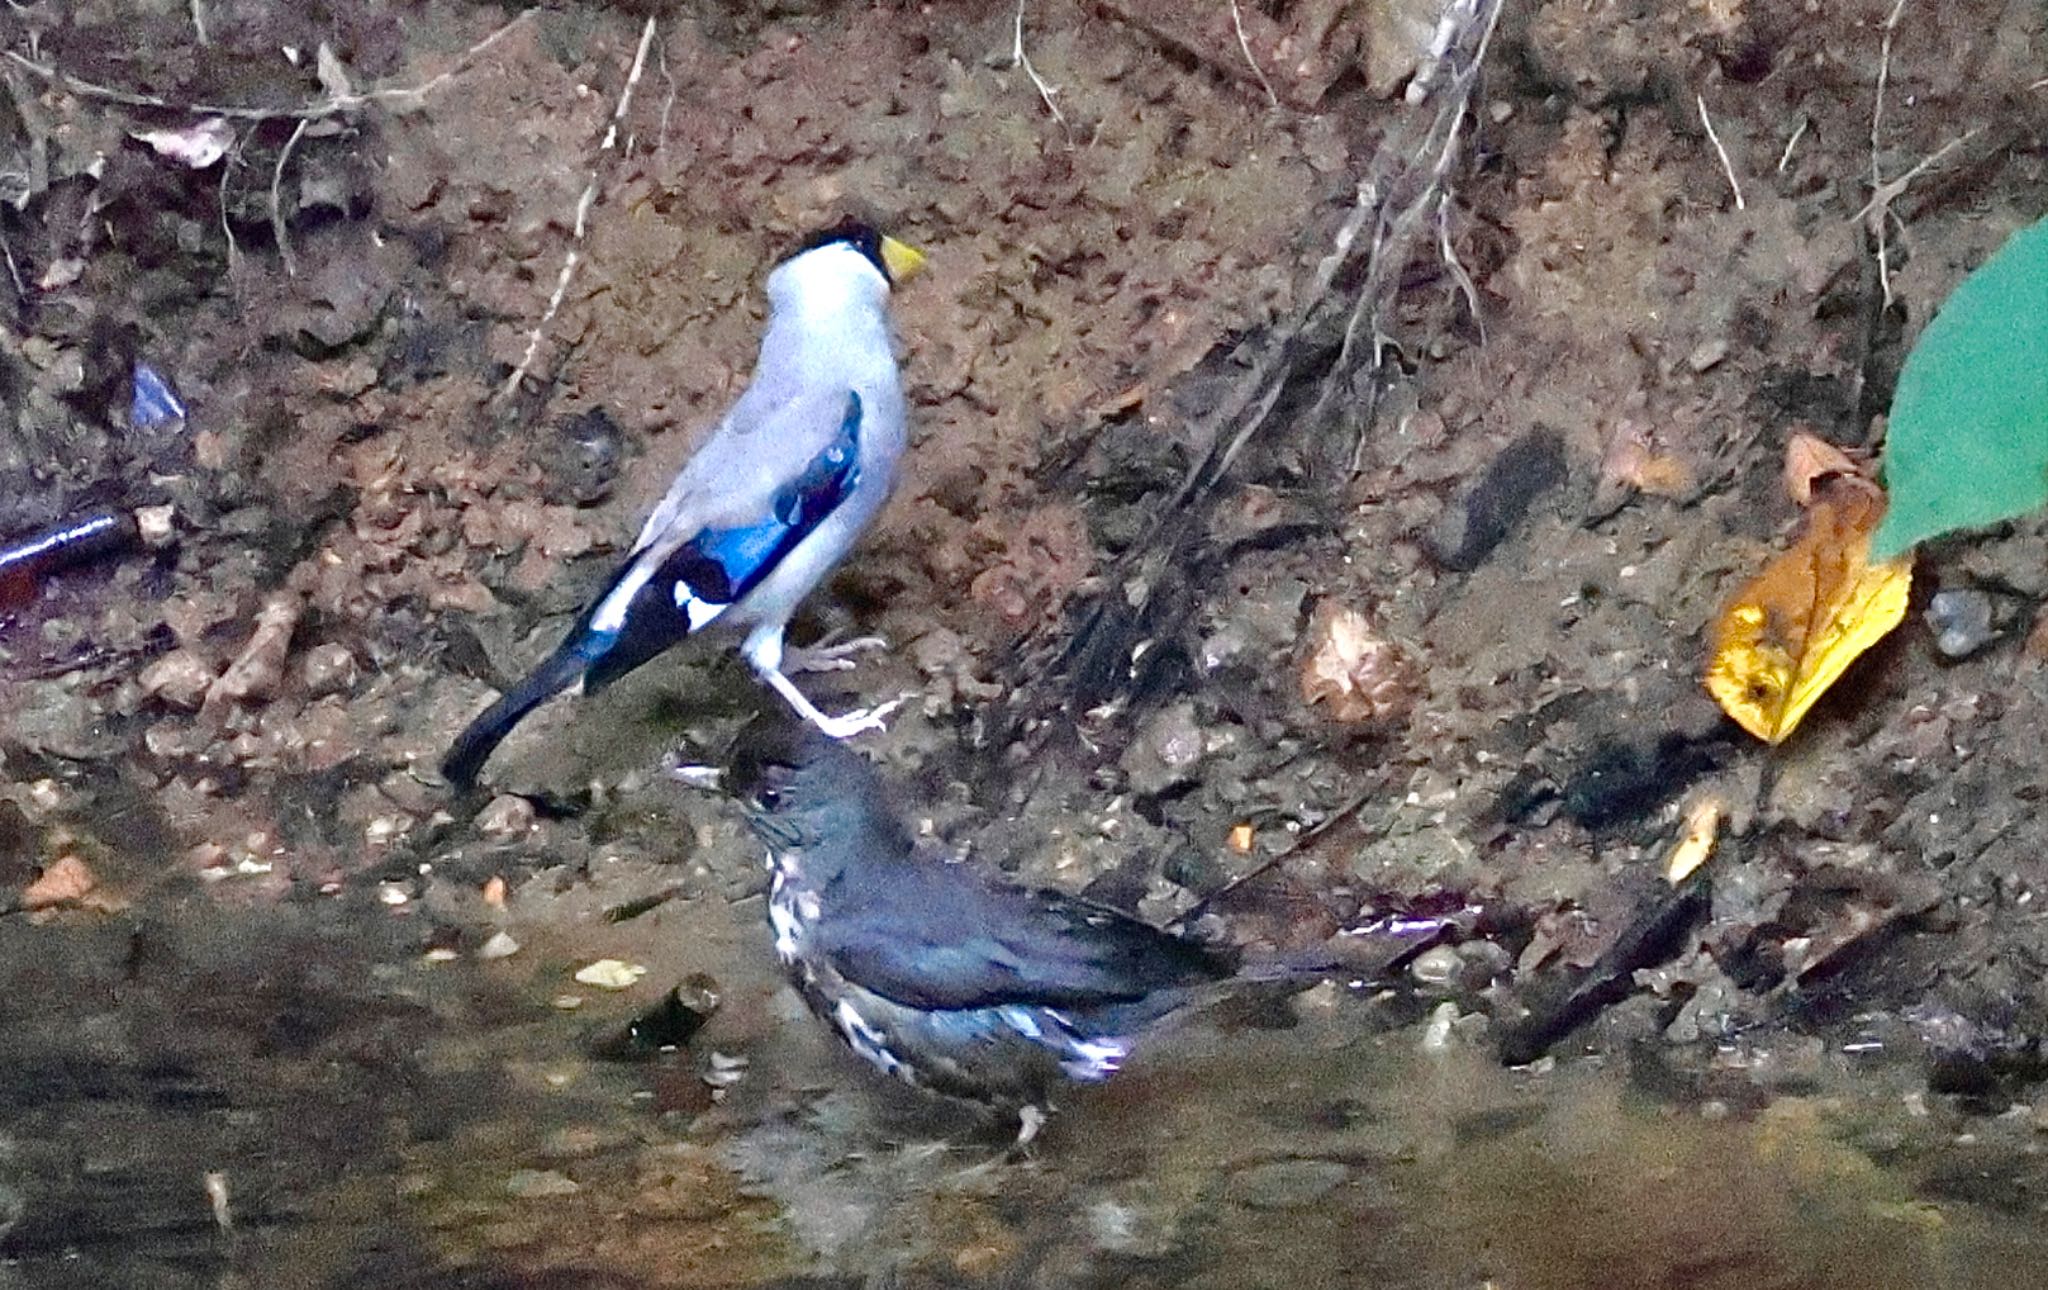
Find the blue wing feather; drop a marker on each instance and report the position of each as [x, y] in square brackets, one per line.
[720, 566]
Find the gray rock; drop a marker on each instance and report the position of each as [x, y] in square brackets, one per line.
[1288, 1184]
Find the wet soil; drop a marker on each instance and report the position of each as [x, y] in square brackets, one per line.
[1417, 686]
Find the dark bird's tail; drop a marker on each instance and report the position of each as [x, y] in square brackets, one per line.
[473, 747]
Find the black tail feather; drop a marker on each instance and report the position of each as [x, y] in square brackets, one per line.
[473, 747]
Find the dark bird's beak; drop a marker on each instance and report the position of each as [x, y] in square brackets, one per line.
[709, 779]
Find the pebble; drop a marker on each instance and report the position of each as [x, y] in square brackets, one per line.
[1439, 966]
[180, 678]
[508, 816]
[1961, 622]
[533, 1184]
[256, 671]
[329, 668]
[1288, 1184]
[500, 946]
[156, 525]
[610, 974]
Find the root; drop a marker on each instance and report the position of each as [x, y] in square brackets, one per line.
[1021, 59]
[1727, 166]
[320, 109]
[573, 257]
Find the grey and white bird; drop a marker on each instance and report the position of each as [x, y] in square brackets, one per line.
[764, 510]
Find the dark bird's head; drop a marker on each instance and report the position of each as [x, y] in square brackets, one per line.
[800, 787]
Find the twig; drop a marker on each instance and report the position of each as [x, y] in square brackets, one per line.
[1785, 157]
[199, 22]
[668, 104]
[319, 109]
[277, 228]
[1876, 214]
[584, 202]
[1021, 59]
[227, 170]
[1237, 21]
[1727, 166]
[1884, 76]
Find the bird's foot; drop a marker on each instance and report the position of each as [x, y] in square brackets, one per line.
[829, 658]
[844, 726]
[848, 724]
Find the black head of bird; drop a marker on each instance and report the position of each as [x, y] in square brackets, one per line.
[765, 508]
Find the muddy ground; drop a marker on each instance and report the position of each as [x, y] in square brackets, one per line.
[251, 936]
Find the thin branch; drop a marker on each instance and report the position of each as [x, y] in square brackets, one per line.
[319, 109]
[1785, 157]
[1727, 166]
[277, 226]
[1021, 59]
[1237, 21]
[585, 201]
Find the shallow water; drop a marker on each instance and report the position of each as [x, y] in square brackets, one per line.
[377, 1118]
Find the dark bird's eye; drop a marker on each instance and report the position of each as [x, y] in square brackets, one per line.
[769, 797]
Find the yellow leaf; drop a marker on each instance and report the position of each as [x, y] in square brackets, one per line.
[1795, 628]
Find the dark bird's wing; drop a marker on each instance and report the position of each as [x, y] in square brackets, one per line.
[680, 579]
[976, 947]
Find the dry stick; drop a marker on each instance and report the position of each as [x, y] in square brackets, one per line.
[1237, 21]
[1877, 212]
[584, 202]
[1884, 75]
[1785, 157]
[1727, 167]
[1021, 59]
[319, 109]
[277, 228]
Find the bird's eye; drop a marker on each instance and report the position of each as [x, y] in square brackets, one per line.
[769, 798]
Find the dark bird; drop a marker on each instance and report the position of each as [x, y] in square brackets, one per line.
[938, 975]
[764, 510]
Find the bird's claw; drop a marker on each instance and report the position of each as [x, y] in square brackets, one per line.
[830, 658]
[848, 724]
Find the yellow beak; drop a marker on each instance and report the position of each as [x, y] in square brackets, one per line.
[903, 259]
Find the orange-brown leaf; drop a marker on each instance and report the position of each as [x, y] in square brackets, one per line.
[1794, 629]
[1810, 460]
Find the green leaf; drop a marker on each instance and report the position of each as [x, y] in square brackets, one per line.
[1968, 437]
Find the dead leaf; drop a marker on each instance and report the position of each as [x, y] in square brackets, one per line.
[1810, 460]
[1362, 675]
[1702, 826]
[1632, 463]
[65, 881]
[1794, 629]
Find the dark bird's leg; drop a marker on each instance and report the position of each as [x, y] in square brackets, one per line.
[473, 747]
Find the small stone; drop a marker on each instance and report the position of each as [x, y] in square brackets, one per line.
[1439, 966]
[1961, 621]
[1707, 355]
[537, 1184]
[568, 1002]
[157, 525]
[508, 816]
[1436, 1035]
[256, 671]
[180, 678]
[500, 946]
[329, 668]
[1166, 751]
[64, 881]
[1288, 1184]
[610, 974]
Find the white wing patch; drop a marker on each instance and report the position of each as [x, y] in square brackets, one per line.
[696, 610]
